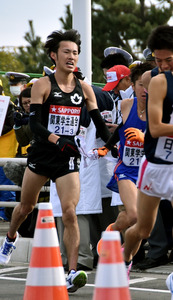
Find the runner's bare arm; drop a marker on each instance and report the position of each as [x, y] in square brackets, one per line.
[89, 95]
[156, 94]
[146, 77]
[40, 90]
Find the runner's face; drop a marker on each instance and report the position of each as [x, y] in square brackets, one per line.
[140, 90]
[164, 59]
[67, 56]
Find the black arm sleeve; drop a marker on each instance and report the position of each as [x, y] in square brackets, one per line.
[114, 138]
[100, 124]
[35, 122]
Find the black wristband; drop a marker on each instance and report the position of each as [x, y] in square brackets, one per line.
[35, 122]
[114, 138]
[100, 124]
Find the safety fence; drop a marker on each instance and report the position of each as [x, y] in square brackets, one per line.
[36, 75]
[21, 161]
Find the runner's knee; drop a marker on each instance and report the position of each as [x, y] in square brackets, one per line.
[69, 216]
[26, 209]
[132, 217]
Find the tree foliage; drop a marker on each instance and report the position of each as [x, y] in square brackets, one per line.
[121, 22]
[67, 23]
[33, 56]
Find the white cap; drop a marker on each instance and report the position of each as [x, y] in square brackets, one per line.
[31, 82]
[114, 50]
[48, 71]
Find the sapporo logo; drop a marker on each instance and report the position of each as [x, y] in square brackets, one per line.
[76, 99]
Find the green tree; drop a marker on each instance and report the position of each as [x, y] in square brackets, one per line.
[67, 23]
[9, 62]
[122, 23]
[28, 59]
[33, 56]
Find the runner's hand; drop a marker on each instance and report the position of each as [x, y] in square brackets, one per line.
[114, 152]
[134, 134]
[67, 146]
[102, 151]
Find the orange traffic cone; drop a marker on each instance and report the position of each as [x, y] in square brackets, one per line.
[99, 244]
[45, 278]
[111, 277]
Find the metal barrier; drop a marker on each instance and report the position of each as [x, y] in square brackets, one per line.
[35, 75]
[21, 161]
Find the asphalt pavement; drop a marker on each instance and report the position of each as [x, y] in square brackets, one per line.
[148, 285]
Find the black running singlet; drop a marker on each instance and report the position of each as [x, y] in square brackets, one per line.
[61, 111]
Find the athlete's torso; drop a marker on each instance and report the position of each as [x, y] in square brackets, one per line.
[160, 150]
[61, 111]
[131, 152]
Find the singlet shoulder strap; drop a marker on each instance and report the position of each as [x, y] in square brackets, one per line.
[52, 78]
[169, 78]
[134, 106]
[154, 71]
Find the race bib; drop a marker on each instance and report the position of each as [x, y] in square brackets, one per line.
[133, 152]
[83, 131]
[64, 120]
[164, 148]
[106, 115]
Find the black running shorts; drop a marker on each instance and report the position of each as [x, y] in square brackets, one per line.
[47, 159]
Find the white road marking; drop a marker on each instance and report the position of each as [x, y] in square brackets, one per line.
[142, 279]
[13, 278]
[150, 290]
[132, 281]
[6, 270]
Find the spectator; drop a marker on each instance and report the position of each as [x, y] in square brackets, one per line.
[17, 82]
[106, 102]
[8, 148]
[117, 56]
[149, 57]
[109, 106]
[21, 119]
[115, 50]
[99, 221]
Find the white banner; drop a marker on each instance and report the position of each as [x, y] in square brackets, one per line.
[4, 102]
